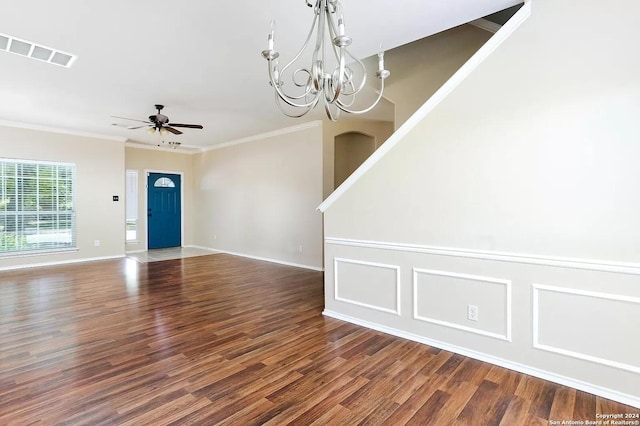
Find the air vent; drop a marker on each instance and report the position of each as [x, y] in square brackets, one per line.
[35, 51]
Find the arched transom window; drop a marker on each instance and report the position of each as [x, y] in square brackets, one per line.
[164, 182]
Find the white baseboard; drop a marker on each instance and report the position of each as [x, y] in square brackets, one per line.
[62, 262]
[202, 248]
[264, 259]
[525, 369]
[135, 251]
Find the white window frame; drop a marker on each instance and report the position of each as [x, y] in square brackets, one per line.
[132, 221]
[41, 220]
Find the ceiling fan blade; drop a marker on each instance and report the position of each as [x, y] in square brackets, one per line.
[132, 119]
[188, 126]
[172, 130]
[126, 126]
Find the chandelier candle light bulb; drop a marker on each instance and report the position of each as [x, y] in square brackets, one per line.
[336, 88]
[341, 25]
[272, 34]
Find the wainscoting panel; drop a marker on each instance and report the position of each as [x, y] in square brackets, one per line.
[443, 298]
[569, 320]
[592, 326]
[368, 284]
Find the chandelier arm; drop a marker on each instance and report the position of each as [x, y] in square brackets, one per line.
[349, 79]
[346, 96]
[282, 110]
[282, 95]
[334, 84]
[364, 73]
[327, 109]
[331, 23]
[307, 85]
[304, 46]
[363, 111]
[339, 80]
[318, 57]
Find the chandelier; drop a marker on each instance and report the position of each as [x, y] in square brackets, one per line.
[337, 86]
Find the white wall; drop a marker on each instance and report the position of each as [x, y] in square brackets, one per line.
[419, 68]
[517, 194]
[259, 198]
[99, 176]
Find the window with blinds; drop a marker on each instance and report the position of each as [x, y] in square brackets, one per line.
[131, 203]
[37, 208]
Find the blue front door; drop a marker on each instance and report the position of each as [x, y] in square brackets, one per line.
[163, 211]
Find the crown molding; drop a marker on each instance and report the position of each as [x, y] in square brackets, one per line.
[486, 25]
[274, 133]
[29, 126]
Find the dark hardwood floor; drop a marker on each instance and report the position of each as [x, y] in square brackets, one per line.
[225, 340]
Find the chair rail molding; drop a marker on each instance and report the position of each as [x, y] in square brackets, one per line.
[532, 259]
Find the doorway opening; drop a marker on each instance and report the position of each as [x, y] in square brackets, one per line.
[351, 149]
[164, 210]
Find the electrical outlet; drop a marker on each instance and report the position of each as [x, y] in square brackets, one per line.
[472, 312]
[96, 243]
[300, 248]
[215, 236]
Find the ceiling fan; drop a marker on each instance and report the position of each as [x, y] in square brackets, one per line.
[159, 122]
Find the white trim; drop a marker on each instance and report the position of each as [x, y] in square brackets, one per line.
[62, 262]
[264, 259]
[135, 251]
[623, 398]
[43, 252]
[366, 305]
[146, 202]
[29, 126]
[213, 251]
[492, 44]
[532, 259]
[478, 278]
[579, 355]
[266, 135]
[486, 25]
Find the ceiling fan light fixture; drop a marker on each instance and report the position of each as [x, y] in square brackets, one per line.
[159, 123]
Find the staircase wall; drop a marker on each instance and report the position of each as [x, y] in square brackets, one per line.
[518, 195]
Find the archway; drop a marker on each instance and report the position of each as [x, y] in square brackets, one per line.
[351, 149]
